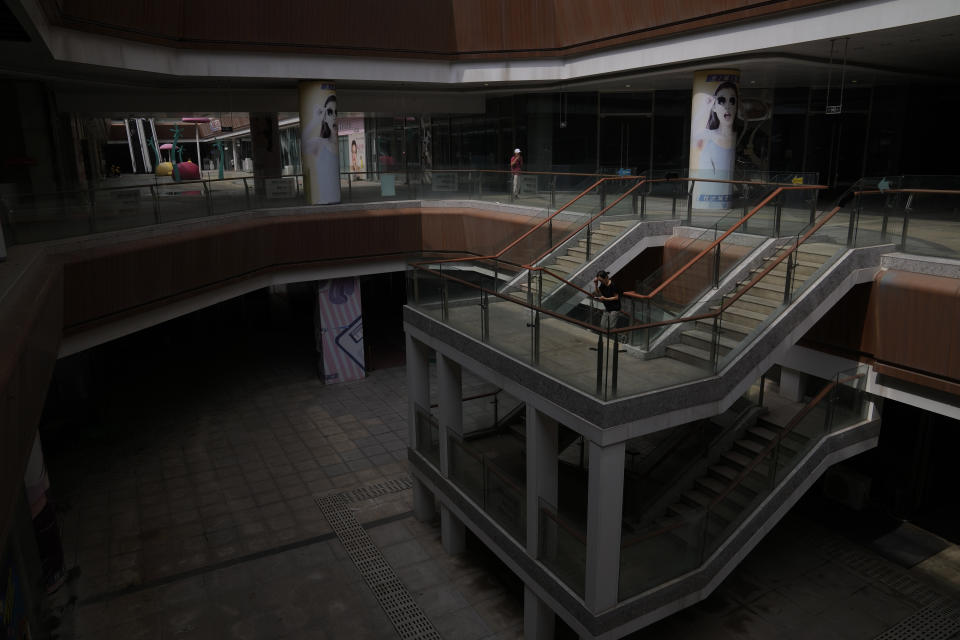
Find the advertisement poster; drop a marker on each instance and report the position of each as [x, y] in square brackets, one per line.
[340, 330]
[319, 144]
[352, 128]
[713, 138]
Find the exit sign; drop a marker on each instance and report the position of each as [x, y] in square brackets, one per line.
[833, 108]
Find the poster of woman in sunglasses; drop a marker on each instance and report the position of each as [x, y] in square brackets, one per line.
[713, 141]
[321, 164]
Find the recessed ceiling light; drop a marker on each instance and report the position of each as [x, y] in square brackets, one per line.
[753, 82]
[627, 86]
[853, 82]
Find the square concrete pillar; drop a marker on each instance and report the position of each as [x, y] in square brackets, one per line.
[542, 443]
[418, 385]
[453, 534]
[539, 622]
[792, 384]
[604, 520]
[450, 392]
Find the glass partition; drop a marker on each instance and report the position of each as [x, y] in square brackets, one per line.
[562, 547]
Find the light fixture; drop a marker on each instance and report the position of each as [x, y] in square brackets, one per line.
[627, 86]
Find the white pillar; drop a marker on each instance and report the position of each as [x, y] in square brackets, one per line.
[538, 619]
[604, 520]
[320, 147]
[541, 471]
[418, 394]
[450, 392]
[792, 384]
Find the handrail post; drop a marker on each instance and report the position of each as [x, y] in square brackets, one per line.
[715, 338]
[553, 191]
[643, 203]
[156, 203]
[716, 268]
[602, 187]
[854, 216]
[788, 279]
[246, 192]
[93, 210]
[614, 364]
[673, 201]
[444, 298]
[907, 208]
[349, 187]
[550, 231]
[777, 213]
[599, 363]
[209, 196]
[813, 204]
[690, 202]
[588, 242]
[484, 316]
[634, 197]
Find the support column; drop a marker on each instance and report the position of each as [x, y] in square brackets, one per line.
[604, 521]
[267, 157]
[713, 140]
[792, 384]
[418, 394]
[542, 444]
[538, 619]
[320, 147]
[450, 392]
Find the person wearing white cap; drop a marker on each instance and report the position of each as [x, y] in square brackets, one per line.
[516, 166]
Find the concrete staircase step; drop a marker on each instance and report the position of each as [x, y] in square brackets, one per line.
[690, 355]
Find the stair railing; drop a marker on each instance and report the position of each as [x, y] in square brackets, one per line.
[696, 523]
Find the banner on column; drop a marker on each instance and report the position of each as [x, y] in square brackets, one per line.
[340, 330]
[713, 140]
[319, 146]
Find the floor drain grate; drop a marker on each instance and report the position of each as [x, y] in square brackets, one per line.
[376, 490]
[937, 621]
[407, 618]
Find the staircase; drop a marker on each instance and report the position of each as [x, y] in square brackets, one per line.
[731, 487]
[752, 308]
[571, 256]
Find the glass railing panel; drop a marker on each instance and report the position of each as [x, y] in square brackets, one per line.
[931, 224]
[509, 328]
[562, 548]
[567, 352]
[465, 468]
[659, 552]
[464, 299]
[227, 196]
[425, 291]
[505, 500]
[428, 436]
[664, 200]
[181, 201]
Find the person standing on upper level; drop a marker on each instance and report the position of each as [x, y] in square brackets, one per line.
[516, 166]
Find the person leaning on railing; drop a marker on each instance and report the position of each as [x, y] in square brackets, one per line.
[607, 292]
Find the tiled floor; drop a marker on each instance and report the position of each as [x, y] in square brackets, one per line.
[188, 510]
